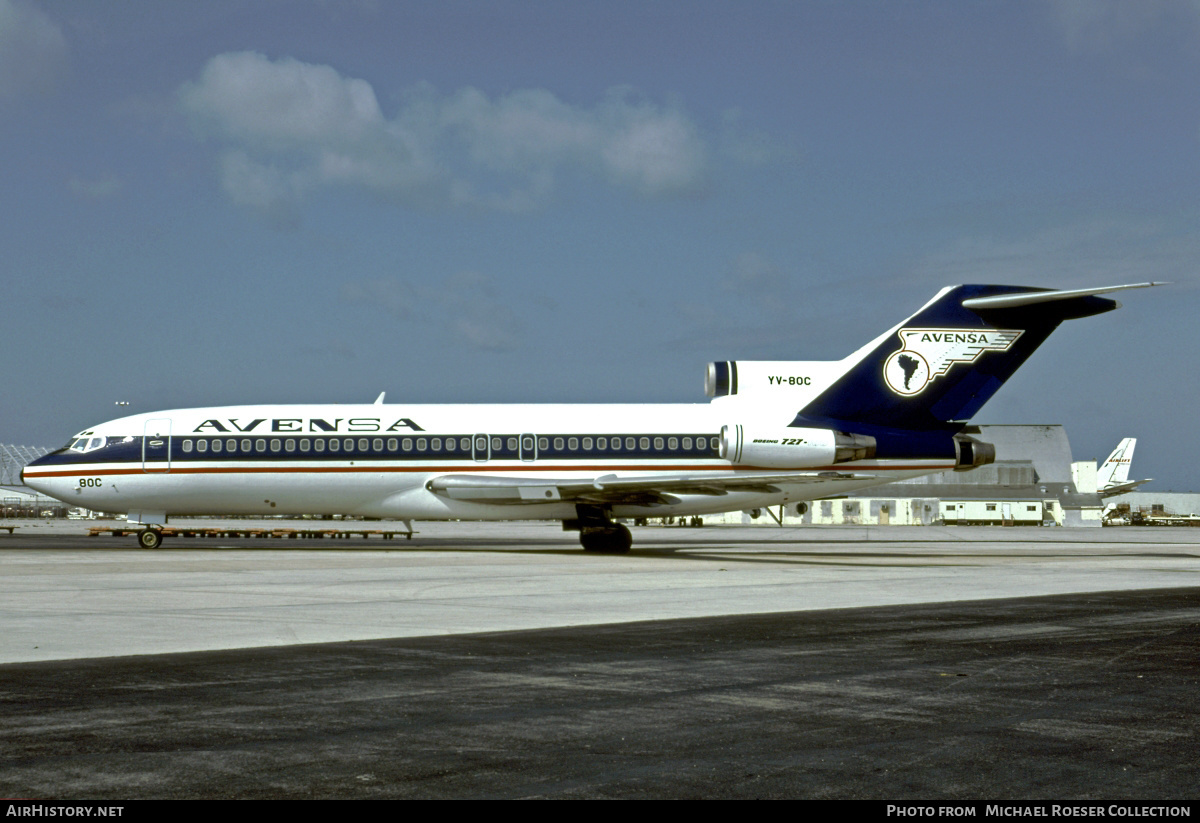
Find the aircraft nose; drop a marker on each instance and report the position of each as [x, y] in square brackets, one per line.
[33, 462]
[33, 483]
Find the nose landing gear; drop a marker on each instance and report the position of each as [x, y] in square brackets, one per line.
[149, 538]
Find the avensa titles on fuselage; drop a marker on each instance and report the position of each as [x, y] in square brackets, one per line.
[773, 433]
[300, 424]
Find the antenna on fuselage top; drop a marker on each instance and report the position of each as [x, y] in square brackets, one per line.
[379, 399]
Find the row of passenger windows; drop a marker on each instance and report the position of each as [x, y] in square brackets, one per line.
[246, 445]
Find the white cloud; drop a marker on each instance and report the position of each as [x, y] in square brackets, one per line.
[33, 51]
[653, 151]
[285, 103]
[290, 128]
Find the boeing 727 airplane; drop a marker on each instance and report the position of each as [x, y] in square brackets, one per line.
[773, 433]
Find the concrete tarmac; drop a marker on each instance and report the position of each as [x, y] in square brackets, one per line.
[67, 595]
[501, 661]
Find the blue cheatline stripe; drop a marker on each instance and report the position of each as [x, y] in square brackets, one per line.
[184, 449]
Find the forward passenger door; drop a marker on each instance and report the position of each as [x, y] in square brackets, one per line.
[156, 445]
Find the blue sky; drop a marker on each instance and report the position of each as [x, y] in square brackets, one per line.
[234, 202]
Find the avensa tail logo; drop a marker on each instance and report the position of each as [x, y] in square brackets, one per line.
[927, 354]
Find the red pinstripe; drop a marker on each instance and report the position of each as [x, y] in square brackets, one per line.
[471, 467]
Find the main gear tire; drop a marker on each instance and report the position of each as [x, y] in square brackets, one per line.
[610, 539]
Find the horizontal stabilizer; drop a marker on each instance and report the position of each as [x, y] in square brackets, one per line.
[1012, 301]
[1123, 488]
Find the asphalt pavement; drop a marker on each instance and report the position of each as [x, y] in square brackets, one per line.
[1068, 697]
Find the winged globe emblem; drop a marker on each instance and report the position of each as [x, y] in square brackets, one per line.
[927, 354]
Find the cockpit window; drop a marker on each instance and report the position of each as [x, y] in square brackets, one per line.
[85, 444]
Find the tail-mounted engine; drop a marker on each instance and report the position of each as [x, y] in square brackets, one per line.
[970, 453]
[720, 379]
[793, 448]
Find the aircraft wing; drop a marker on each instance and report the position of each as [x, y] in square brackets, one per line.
[610, 489]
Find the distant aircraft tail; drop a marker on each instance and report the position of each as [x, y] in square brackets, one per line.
[1115, 470]
[936, 369]
[1112, 478]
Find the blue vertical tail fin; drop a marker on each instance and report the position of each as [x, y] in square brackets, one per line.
[937, 368]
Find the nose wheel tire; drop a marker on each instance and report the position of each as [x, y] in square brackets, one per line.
[149, 538]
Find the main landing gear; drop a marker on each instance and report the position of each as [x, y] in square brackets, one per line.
[597, 532]
[611, 539]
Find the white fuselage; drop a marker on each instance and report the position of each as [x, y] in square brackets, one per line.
[376, 460]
